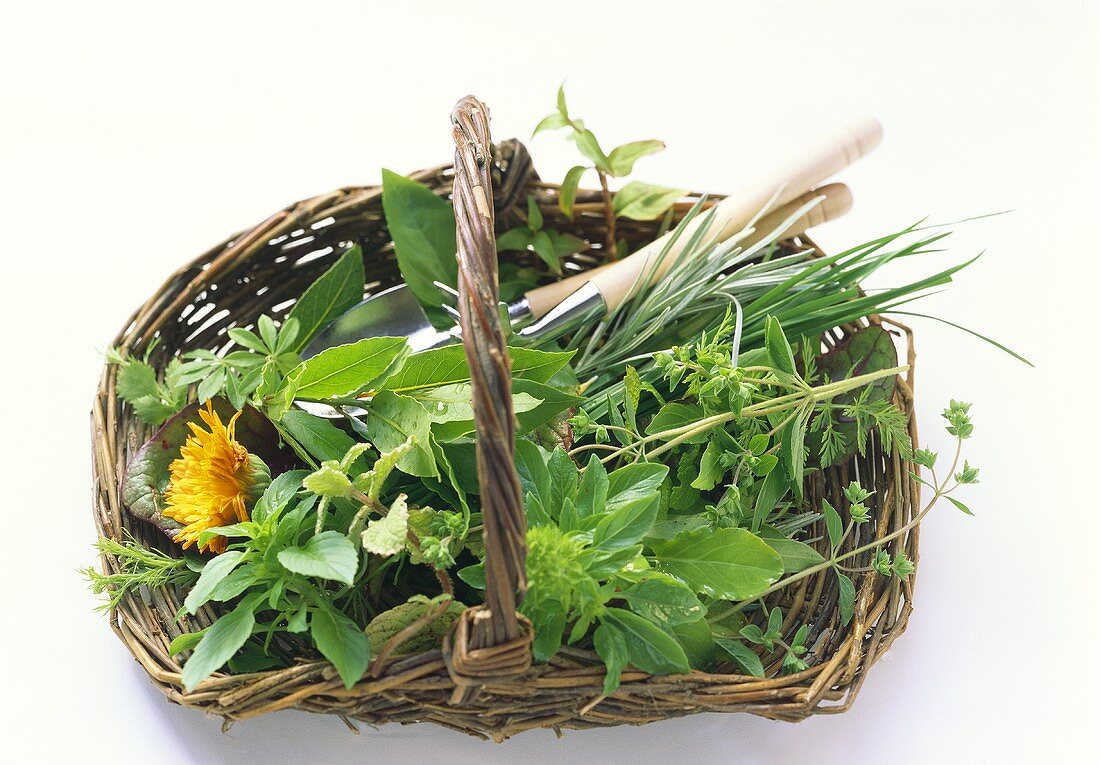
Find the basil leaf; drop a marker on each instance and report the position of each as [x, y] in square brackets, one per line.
[664, 600]
[779, 350]
[847, 597]
[697, 641]
[610, 644]
[534, 478]
[633, 482]
[650, 648]
[447, 365]
[627, 523]
[347, 369]
[592, 494]
[329, 555]
[772, 489]
[212, 574]
[392, 421]
[834, 526]
[422, 226]
[796, 555]
[317, 435]
[745, 657]
[278, 493]
[337, 290]
[730, 564]
[342, 642]
[221, 640]
[676, 415]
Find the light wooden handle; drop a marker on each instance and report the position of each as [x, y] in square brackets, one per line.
[835, 201]
[731, 215]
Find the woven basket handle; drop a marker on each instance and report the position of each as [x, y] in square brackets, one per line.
[505, 524]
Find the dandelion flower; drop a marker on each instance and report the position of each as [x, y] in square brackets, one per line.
[212, 481]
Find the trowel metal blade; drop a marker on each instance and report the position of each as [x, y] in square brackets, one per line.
[392, 313]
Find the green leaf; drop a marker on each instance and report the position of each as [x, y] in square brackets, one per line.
[697, 641]
[959, 505]
[392, 421]
[676, 415]
[552, 401]
[664, 600]
[534, 214]
[650, 648]
[626, 524]
[329, 555]
[847, 597]
[772, 489]
[283, 488]
[223, 639]
[544, 248]
[745, 657]
[568, 193]
[340, 640]
[447, 365]
[592, 494]
[317, 435]
[797, 556]
[833, 524]
[731, 564]
[610, 644]
[454, 403]
[348, 369]
[212, 575]
[590, 147]
[534, 477]
[622, 158]
[550, 122]
[794, 452]
[184, 642]
[337, 290]
[644, 201]
[871, 349]
[515, 239]
[779, 350]
[422, 226]
[637, 481]
[711, 469]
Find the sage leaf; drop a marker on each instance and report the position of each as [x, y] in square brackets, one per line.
[217, 646]
[342, 642]
[337, 290]
[422, 226]
[328, 555]
[348, 369]
[730, 564]
[650, 648]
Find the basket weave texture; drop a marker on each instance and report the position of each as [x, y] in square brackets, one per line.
[482, 681]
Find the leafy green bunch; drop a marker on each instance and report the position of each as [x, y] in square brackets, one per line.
[635, 200]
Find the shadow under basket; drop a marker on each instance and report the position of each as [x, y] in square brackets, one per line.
[482, 681]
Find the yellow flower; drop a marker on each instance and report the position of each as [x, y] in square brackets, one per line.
[211, 481]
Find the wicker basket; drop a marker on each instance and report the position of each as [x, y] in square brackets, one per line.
[483, 681]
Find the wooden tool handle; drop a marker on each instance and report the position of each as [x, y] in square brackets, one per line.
[731, 215]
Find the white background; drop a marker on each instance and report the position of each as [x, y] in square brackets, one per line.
[133, 135]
